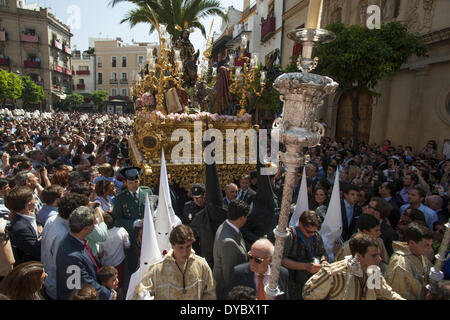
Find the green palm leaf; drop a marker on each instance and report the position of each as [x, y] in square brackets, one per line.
[172, 12]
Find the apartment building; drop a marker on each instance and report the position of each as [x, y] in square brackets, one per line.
[117, 65]
[83, 73]
[260, 21]
[35, 43]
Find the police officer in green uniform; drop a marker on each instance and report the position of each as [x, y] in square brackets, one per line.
[191, 208]
[129, 211]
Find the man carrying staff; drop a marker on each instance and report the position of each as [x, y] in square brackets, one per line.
[349, 279]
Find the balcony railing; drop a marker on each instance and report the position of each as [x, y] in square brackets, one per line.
[240, 28]
[68, 71]
[2, 35]
[267, 29]
[29, 38]
[123, 81]
[4, 62]
[81, 86]
[113, 81]
[67, 50]
[31, 64]
[83, 72]
[57, 44]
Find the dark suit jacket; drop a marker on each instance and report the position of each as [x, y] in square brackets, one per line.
[242, 276]
[249, 196]
[394, 217]
[388, 235]
[24, 241]
[225, 202]
[72, 253]
[347, 230]
[229, 250]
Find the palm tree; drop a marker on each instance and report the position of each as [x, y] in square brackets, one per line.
[175, 13]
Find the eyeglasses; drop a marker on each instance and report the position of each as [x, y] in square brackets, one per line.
[257, 260]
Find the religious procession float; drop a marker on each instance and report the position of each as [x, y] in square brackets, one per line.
[174, 103]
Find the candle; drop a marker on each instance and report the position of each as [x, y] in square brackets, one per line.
[255, 57]
[238, 73]
[214, 71]
[231, 60]
[244, 42]
[151, 64]
[162, 28]
[168, 42]
[263, 78]
[314, 14]
[177, 54]
[179, 66]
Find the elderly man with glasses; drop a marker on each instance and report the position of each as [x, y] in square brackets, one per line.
[256, 273]
[304, 252]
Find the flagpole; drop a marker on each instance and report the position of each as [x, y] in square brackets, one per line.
[302, 93]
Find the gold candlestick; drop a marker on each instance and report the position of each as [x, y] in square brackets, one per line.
[243, 78]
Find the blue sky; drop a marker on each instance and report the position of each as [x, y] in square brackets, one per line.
[98, 20]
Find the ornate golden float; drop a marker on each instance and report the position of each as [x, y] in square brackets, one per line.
[159, 115]
[153, 132]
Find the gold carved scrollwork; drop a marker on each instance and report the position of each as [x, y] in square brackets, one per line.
[151, 135]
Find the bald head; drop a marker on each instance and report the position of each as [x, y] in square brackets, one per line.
[263, 246]
[261, 254]
[231, 191]
[434, 202]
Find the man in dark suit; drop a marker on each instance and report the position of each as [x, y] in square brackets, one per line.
[382, 162]
[386, 191]
[350, 211]
[23, 231]
[256, 273]
[245, 193]
[381, 209]
[229, 246]
[231, 192]
[75, 264]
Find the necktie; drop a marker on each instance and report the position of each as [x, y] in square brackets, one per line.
[239, 197]
[261, 292]
[135, 196]
[90, 253]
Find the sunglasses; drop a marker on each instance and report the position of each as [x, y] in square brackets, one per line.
[257, 260]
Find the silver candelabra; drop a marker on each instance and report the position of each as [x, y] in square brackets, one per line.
[302, 93]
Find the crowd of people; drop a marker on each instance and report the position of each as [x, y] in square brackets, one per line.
[72, 208]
